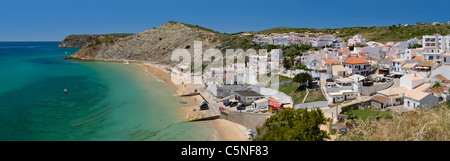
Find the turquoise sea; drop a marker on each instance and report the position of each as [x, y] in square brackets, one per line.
[105, 101]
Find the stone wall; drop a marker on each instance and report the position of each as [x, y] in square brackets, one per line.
[248, 120]
[368, 91]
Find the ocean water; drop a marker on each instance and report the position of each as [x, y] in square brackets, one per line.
[105, 101]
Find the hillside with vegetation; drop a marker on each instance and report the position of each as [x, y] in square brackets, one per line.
[376, 33]
[158, 43]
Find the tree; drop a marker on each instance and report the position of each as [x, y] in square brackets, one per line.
[270, 47]
[286, 63]
[294, 125]
[302, 78]
[436, 85]
[415, 46]
[304, 48]
[351, 47]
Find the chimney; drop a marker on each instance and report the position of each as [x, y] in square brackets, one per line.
[415, 75]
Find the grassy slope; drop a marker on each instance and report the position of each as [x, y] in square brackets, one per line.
[369, 113]
[292, 90]
[314, 96]
[426, 125]
[382, 33]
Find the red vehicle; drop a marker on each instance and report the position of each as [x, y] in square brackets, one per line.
[274, 107]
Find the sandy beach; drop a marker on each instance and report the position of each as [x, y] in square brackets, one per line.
[226, 130]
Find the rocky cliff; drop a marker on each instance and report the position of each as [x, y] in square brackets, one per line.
[154, 45]
[78, 41]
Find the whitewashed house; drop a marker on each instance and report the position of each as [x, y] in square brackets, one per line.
[397, 65]
[341, 90]
[357, 66]
[357, 40]
[432, 53]
[412, 80]
[410, 53]
[339, 70]
[446, 58]
[408, 67]
[437, 41]
[414, 99]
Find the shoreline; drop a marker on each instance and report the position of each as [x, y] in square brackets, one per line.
[225, 130]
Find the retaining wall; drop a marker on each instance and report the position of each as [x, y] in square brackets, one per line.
[248, 120]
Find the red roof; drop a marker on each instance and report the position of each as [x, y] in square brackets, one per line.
[417, 58]
[356, 61]
[329, 61]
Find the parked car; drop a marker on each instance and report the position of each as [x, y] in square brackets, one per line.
[240, 107]
[378, 79]
[204, 106]
[225, 101]
[397, 75]
[232, 104]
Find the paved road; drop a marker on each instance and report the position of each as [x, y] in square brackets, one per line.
[213, 103]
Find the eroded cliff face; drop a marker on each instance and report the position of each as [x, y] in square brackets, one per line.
[154, 45]
[77, 41]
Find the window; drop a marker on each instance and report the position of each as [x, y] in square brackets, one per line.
[408, 103]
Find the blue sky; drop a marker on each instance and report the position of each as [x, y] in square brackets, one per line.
[53, 20]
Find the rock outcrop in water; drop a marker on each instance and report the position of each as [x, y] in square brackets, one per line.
[154, 45]
[78, 41]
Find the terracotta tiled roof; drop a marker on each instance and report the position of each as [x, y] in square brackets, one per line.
[386, 59]
[399, 60]
[428, 63]
[227, 75]
[380, 98]
[436, 90]
[408, 65]
[393, 91]
[339, 68]
[417, 58]
[441, 77]
[414, 76]
[415, 94]
[356, 61]
[329, 61]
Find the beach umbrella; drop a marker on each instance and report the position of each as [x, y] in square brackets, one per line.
[251, 131]
[204, 101]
